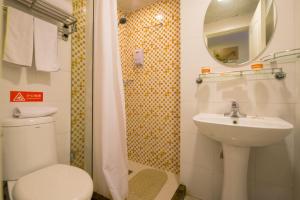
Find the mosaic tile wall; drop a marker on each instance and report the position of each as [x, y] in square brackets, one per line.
[153, 91]
[78, 84]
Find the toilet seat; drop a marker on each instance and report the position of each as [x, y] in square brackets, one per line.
[56, 182]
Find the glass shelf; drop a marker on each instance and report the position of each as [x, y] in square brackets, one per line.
[286, 56]
[267, 73]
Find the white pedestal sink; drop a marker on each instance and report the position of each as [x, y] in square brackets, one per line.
[237, 135]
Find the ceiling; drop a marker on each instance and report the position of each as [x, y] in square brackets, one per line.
[130, 5]
[218, 10]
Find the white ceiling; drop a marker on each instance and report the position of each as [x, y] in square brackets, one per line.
[130, 5]
[218, 10]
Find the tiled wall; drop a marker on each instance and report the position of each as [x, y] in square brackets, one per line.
[79, 84]
[152, 91]
[270, 174]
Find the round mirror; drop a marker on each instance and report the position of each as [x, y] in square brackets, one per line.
[236, 32]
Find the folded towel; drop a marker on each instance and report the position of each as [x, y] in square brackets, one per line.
[18, 45]
[45, 46]
[32, 112]
[65, 5]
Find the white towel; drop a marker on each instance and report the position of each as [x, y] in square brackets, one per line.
[65, 5]
[18, 45]
[32, 112]
[45, 46]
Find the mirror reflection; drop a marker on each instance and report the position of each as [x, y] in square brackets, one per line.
[238, 31]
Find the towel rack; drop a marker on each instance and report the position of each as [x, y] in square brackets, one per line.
[66, 22]
[266, 73]
[290, 55]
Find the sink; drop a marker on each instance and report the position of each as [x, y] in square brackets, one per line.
[237, 135]
[246, 132]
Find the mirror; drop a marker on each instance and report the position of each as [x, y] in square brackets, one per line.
[236, 32]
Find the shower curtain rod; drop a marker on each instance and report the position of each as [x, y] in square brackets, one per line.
[66, 22]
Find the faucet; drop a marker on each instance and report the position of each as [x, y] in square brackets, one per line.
[235, 111]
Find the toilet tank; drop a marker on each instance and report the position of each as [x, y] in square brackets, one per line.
[28, 145]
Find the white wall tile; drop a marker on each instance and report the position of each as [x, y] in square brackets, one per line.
[63, 147]
[297, 156]
[198, 181]
[297, 135]
[273, 165]
[217, 185]
[263, 192]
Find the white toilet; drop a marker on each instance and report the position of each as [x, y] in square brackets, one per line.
[30, 164]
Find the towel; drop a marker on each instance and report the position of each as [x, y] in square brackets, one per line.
[32, 112]
[18, 45]
[65, 5]
[45, 46]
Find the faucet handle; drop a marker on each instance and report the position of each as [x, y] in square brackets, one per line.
[234, 104]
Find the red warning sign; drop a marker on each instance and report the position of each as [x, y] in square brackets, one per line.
[22, 96]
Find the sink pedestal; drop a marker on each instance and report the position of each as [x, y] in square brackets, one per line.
[237, 136]
[235, 172]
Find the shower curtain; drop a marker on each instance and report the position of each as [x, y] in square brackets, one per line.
[110, 170]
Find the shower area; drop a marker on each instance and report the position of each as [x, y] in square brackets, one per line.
[151, 93]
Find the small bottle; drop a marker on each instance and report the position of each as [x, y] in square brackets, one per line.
[205, 70]
[257, 66]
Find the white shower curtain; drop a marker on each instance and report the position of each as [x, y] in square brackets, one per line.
[110, 170]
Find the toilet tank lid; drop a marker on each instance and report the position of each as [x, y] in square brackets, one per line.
[15, 122]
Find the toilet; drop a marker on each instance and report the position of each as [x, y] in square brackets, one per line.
[30, 164]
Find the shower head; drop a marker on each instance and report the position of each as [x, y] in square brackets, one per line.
[123, 20]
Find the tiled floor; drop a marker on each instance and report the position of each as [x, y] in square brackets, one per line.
[168, 189]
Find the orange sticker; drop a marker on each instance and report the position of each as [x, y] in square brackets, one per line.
[23, 96]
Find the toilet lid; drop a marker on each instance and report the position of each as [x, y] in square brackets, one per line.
[59, 182]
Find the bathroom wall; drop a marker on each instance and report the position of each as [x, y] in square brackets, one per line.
[271, 169]
[79, 78]
[152, 90]
[1, 161]
[57, 92]
[297, 135]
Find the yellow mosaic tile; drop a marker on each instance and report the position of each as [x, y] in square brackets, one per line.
[78, 84]
[153, 97]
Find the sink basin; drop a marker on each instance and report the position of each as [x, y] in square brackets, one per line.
[247, 132]
[237, 135]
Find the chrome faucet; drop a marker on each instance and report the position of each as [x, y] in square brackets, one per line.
[235, 111]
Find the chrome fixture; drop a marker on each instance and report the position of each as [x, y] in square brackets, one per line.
[199, 80]
[280, 75]
[235, 111]
[123, 20]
